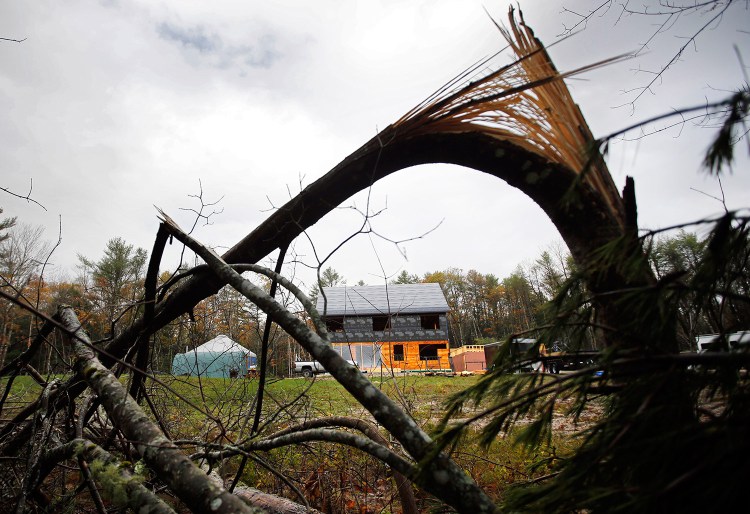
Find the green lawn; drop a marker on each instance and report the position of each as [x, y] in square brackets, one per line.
[222, 410]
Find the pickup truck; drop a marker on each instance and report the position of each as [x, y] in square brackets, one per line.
[310, 368]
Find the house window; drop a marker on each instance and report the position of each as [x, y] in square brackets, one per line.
[429, 352]
[430, 321]
[398, 352]
[381, 323]
[335, 324]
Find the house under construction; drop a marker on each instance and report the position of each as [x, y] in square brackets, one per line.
[403, 327]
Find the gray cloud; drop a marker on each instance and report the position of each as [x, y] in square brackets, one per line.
[204, 46]
[194, 38]
[113, 109]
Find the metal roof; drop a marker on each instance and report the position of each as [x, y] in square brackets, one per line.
[393, 299]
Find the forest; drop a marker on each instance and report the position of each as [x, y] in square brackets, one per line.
[484, 308]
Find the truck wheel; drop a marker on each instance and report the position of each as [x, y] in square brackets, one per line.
[307, 373]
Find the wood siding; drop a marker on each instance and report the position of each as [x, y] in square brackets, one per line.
[412, 360]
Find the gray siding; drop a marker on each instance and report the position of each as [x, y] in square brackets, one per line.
[403, 329]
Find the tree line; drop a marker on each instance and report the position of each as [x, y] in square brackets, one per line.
[486, 308]
[483, 307]
[106, 292]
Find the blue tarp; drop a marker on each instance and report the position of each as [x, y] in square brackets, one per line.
[216, 358]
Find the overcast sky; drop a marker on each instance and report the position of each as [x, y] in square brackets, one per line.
[113, 107]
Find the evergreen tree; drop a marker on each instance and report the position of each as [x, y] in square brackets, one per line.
[5, 225]
[112, 280]
[406, 278]
[328, 278]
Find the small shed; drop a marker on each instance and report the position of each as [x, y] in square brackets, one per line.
[221, 357]
[468, 358]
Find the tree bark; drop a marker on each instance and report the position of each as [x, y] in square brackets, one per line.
[581, 214]
[439, 474]
[183, 477]
[123, 487]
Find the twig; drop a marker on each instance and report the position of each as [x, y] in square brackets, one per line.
[27, 196]
[89, 479]
[190, 484]
[263, 368]
[441, 476]
[678, 54]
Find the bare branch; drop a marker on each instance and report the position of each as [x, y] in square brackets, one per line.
[711, 109]
[160, 454]
[690, 40]
[441, 476]
[27, 196]
[584, 18]
[137, 497]
[199, 214]
[364, 444]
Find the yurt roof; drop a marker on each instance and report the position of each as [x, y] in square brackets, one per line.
[222, 344]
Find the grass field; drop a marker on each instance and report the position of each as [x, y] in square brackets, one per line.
[333, 478]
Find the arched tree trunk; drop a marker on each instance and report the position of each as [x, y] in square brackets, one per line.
[519, 124]
[585, 222]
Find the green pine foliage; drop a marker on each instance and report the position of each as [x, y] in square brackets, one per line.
[5, 225]
[675, 434]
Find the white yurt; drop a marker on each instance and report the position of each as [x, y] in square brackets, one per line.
[217, 358]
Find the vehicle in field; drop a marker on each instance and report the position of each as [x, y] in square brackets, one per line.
[310, 368]
[546, 360]
[722, 342]
[519, 347]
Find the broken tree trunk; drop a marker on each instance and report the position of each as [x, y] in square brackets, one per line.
[439, 474]
[518, 123]
[173, 467]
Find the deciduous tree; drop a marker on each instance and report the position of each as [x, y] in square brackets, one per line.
[22, 252]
